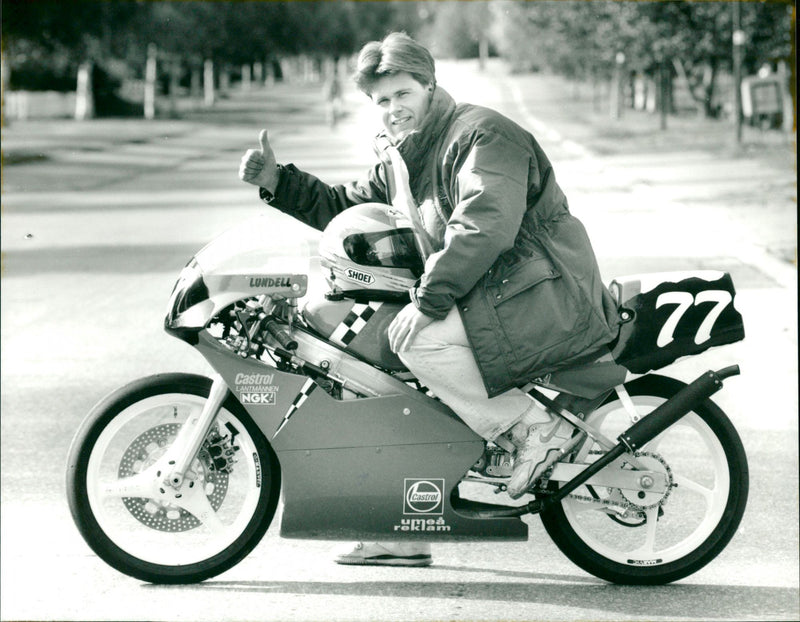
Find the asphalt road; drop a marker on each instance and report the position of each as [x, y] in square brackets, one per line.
[99, 218]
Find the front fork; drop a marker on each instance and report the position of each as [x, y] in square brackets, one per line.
[192, 434]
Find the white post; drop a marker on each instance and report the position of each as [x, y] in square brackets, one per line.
[150, 82]
[84, 100]
[246, 77]
[208, 82]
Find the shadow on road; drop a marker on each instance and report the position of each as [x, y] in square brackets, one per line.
[672, 601]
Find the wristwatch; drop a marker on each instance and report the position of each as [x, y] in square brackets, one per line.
[265, 194]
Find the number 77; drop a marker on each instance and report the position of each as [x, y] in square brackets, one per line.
[684, 300]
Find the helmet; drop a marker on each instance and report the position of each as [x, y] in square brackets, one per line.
[363, 248]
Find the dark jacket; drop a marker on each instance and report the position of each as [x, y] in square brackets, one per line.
[507, 250]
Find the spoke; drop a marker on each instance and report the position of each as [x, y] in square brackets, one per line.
[198, 504]
[648, 547]
[141, 485]
[684, 483]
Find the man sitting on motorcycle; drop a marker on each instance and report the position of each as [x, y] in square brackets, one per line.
[511, 290]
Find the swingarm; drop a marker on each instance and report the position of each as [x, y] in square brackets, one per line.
[628, 444]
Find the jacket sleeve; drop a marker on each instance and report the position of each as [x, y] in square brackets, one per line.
[490, 187]
[312, 201]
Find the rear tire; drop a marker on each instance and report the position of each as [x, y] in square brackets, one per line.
[705, 457]
[151, 538]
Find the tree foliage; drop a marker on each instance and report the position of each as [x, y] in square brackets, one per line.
[577, 38]
[57, 35]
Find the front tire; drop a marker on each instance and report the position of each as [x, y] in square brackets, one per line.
[667, 537]
[222, 513]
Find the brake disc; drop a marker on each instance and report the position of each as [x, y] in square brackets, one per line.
[162, 515]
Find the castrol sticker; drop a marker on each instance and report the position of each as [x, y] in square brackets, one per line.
[423, 496]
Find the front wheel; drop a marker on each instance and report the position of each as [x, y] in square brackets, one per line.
[146, 529]
[645, 538]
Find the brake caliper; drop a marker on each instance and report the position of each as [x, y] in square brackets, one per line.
[219, 452]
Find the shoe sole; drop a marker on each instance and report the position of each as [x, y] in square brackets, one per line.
[386, 560]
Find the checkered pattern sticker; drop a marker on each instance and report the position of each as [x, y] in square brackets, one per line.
[305, 391]
[355, 321]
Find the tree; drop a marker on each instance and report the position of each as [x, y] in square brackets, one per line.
[45, 40]
[456, 29]
[580, 38]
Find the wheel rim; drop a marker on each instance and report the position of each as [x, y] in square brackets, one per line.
[160, 525]
[695, 460]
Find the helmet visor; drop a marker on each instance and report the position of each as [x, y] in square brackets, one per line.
[390, 249]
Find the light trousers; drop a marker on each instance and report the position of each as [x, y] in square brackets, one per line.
[441, 357]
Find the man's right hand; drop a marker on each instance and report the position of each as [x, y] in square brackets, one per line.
[259, 166]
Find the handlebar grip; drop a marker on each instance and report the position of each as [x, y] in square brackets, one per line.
[281, 335]
[727, 372]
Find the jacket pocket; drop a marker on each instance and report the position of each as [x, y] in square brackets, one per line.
[520, 277]
[540, 321]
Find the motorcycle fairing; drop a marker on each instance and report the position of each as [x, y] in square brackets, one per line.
[358, 326]
[673, 314]
[341, 455]
[191, 307]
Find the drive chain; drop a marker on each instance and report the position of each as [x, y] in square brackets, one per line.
[624, 503]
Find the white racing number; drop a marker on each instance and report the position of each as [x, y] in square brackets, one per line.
[684, 300]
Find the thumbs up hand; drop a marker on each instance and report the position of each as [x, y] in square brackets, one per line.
[259, 166]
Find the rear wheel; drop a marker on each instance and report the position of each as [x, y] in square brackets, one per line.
[648, 538]
[147, 529]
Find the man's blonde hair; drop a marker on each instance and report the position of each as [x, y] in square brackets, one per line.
[396, 53]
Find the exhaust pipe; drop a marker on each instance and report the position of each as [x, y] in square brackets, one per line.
[639, 434]
[676, 407]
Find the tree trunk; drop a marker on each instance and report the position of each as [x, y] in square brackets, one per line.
[664, 94]
[5, 72]
[208, 82]
[246, 76]
[483, 51]
[709, 89]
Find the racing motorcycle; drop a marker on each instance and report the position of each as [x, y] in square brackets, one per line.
[175, 478]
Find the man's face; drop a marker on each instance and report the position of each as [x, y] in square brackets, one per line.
[403, 101]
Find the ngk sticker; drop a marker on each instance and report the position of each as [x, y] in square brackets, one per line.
[423, 496]
[256, 388]
[359, 277]
[266, 399]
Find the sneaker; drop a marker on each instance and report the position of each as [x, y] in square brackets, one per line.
[386, 554]
[540, 448]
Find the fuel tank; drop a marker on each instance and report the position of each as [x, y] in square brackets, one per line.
[359, 327]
